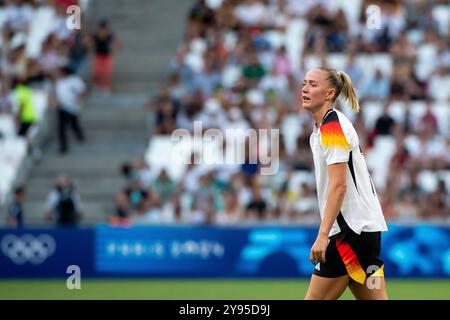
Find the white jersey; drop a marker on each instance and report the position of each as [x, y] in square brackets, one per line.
[336, 141]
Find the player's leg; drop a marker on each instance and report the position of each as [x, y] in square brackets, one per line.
[330, 278]
[374, 286]
[373, 289]
[322, 288]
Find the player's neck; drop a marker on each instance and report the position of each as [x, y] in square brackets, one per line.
[320, 114]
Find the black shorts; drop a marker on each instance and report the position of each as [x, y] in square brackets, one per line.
[352, 254]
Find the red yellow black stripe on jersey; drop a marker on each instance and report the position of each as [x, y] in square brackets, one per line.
[354, 269]
[332, 134]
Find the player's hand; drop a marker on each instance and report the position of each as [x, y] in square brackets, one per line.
[319, 249]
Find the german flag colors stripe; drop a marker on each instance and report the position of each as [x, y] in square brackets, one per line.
[332, 134]
[354, 269]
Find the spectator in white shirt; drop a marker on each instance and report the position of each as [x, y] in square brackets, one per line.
[70, 90]
[437, 87]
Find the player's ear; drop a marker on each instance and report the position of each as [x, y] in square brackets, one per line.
[330, 94]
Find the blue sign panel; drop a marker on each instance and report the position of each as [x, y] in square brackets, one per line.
[419, 251]
[168, 251]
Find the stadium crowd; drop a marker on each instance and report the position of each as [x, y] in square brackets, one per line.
[39, 59]
[239, 66]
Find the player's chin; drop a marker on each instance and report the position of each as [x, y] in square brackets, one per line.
[306, 105]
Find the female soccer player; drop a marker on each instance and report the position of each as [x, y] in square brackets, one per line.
[346, 251]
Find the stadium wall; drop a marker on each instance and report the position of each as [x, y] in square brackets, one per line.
[421, 251]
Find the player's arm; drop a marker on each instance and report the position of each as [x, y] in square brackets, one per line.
[337, 188]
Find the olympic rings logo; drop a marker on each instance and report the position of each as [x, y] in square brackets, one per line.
[28, 248]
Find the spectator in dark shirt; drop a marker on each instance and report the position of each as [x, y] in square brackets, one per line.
[385, 123]
[135, 192]
[64, 203]
[201, 13]
[105, 44]
[122, 212]
[257, 205]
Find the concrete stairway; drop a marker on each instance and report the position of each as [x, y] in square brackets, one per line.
[115, 134]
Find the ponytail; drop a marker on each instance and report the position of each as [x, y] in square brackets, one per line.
[343, 85]
[348, 91]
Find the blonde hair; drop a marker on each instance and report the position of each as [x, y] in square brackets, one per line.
[343, 85]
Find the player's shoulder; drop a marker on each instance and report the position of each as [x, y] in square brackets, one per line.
[336, 124]
[337, 117]
[330, 117]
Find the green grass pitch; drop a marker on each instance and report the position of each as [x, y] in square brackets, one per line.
[188, 289]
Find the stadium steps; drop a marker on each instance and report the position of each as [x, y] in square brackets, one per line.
[150, 32]
[115, 134]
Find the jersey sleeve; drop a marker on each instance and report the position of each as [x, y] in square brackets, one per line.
[334, 143]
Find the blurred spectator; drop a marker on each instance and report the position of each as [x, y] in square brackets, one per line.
[439, 80]
[208, 80]
[51, 57]
[257, 207]
[165, 117]
[438, 203]
[407, 208]
[15, 211]
[135, 193]
[14, 63]
[164, 186]
[273, 81]
[337, 38]
[70, 89]
[306, 207]
[403, 51]
[428, 121]
[282, 64]
[251, 13]
[413, 187]
[6, 101]
[201, 13]
[376, 87]
[105, 44]
[64, 203]
[148, 211]
[385, 123]
[399, 80]
[36, 77]
[302, 158]
[142, 169]
[401, 157]
[122, 212]
[17, 15]
[78, 49]
[202, 208]
[253, 71]
[26, 116]
[231, 214]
